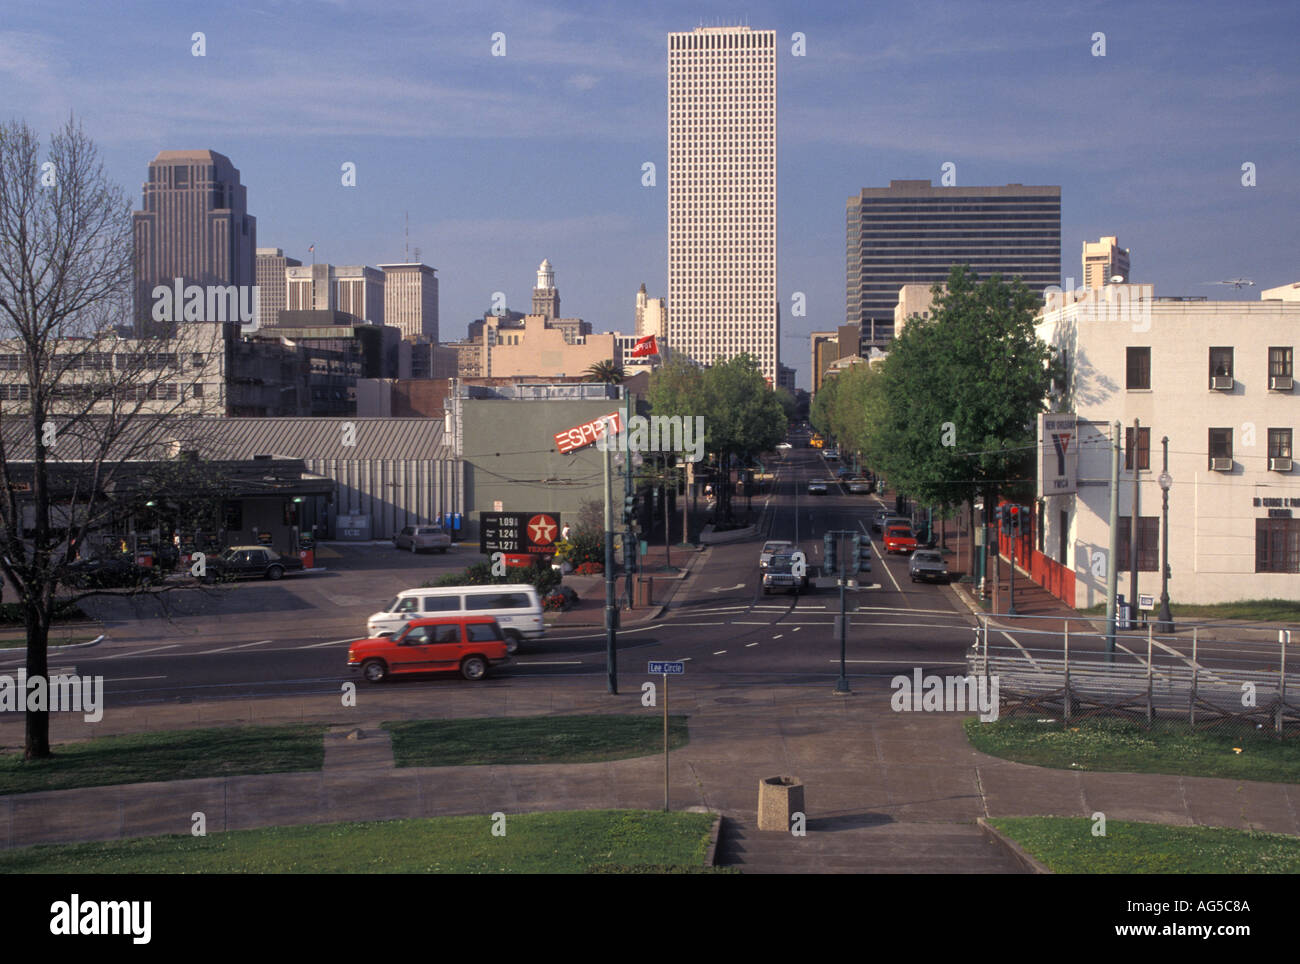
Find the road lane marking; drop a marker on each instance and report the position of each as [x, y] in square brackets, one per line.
[747, 645]
[332, 642]
[895, 662]
[796, 629]
[130, 679]
[227, 649]
[548, 662]
[778, 635]
[141, 652]
[748, 622]
[886, 567]
[1031, 659]
[719, 652]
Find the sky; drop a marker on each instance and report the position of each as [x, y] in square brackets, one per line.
[501, 161]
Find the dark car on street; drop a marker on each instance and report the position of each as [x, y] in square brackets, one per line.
[250, 562]
[111, 572]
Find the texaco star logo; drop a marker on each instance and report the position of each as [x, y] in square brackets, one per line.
[542, 529]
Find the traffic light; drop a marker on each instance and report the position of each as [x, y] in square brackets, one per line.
[862, 552]
[829, 561]
[629, 509]
[1004, 514]
[1015, 519]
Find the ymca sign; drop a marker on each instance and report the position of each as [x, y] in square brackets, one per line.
[1058, 454]
[580, 436]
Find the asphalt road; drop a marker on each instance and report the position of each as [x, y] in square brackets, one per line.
[290, 637]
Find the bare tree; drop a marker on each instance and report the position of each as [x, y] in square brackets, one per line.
[85, 416]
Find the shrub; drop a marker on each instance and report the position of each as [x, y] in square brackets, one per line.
[553, 603]
[590, 569]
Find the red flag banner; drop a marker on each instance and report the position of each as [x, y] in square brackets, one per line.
[645, 346]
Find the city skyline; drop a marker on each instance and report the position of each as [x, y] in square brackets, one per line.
[502, 161]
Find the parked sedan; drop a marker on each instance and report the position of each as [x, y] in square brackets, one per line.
[112, 572]
[859, 486]
[423, 539]
[817, 487]
[250, 562]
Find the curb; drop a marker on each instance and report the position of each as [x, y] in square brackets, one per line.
[1013, 849]
[711, 855]
[21, 651]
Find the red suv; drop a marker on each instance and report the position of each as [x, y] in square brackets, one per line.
[468, 644]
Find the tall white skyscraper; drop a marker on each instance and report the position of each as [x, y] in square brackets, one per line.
[722, 297]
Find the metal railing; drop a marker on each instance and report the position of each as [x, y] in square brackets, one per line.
[1217, 678]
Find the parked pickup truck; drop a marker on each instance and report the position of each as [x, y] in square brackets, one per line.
[927, 564]
[780, 577]
[899, 538]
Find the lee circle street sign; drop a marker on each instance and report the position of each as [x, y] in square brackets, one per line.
[668, 668]
[519, 532]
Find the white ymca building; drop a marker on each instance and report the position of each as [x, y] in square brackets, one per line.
[1217, 378]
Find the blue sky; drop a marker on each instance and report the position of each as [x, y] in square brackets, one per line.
[502, 161]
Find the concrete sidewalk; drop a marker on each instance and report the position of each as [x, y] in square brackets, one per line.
[885, 791]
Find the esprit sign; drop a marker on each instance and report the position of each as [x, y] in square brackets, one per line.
[580, 436]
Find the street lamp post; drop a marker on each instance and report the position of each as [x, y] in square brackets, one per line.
[1166, 619]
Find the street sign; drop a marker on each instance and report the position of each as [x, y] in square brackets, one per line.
[667, 667]
[1146, 602]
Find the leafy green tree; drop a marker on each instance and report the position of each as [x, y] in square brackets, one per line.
[742, 417]
[962, 390]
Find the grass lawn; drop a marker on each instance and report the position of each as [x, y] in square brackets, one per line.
[1124, 747]
[1255, 610]
[575, 842]
[532, 739]
[177, 755]
[1067, 846]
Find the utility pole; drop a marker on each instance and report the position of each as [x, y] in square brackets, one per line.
[1112, 560]
[629, 491]
[1133, 528]
[611, 611]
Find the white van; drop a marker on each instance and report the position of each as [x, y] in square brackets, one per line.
[516, 606]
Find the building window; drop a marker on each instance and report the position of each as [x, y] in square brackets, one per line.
[1143, 449]
[1277, 545]
[1138, 368]
[1279, 363]
[1220, 363]
[1220, 444]
[1148, 543]
[1279, 443]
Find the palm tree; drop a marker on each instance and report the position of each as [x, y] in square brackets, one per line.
[607, 372]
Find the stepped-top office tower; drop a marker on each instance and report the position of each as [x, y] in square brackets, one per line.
[722, 297]
[913, 233]
[194, 224]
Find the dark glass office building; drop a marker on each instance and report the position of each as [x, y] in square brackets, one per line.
[912, 233]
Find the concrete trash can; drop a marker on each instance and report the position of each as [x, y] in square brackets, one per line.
[778, 799]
